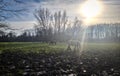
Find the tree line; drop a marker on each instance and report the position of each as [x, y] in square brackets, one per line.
[57, 27]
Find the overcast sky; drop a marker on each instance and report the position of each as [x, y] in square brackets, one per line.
[111, 10]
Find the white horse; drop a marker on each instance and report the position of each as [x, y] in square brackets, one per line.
[75, 44]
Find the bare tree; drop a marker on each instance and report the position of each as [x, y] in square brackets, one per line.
[43, 26]
[3, 27]
[60, 21]
[43, 17]
[76, 35]
[8, 9]
[51, 24]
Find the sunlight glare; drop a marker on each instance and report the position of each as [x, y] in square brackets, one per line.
[90, 9]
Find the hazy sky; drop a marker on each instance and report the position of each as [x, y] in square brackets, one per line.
[110, 13]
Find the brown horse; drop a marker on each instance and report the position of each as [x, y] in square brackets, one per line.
[52, 42]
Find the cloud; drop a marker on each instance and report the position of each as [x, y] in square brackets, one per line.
[71, 6]
[22, 25]
[111, 10]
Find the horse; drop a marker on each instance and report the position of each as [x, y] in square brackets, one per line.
[75, 43]
[52, 42]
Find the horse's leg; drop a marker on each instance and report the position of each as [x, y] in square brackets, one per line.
[75, 48]
[69, 48]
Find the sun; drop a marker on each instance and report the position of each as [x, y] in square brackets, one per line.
[90, 9]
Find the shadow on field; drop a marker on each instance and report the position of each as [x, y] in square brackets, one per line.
[67, 63]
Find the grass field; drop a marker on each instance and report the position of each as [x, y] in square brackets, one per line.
[37, 47]
[31, 46]
[42, 59]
